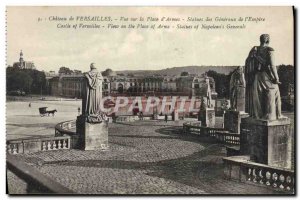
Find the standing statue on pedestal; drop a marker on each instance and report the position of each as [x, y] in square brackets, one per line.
[207, 92]
[262, 91]
[92, 96]
[237, 90]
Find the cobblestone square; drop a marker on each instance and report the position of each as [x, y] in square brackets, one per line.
[144, 157]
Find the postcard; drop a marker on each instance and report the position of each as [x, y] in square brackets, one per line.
[150, 100]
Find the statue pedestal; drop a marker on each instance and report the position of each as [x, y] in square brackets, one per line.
[267, 142]
[240, 100]
[175, 116]
[232, 120]
[207, 117]
[92, 136]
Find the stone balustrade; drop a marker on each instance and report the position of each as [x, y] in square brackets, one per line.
[240, 168]
[126, 118]
[130, 118]
[67, 127]
[217, 133]
[36, 145]
[55, 143]
[14, 147]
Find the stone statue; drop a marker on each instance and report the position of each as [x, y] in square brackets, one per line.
[262, 91]
[92, 96]
[237, 90]
[203, 104]
[208, 92]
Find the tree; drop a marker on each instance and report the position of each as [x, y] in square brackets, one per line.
[222, 82]
[18, 80]
[107, 72]
[77, 71]
[286, 77]
[184, 74]
[27, 80]
[65, 70]
[39, 81]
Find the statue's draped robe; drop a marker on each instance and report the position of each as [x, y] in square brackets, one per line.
[92, 95]
[262, 91]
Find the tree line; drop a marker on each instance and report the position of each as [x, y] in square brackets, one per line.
[30, 81]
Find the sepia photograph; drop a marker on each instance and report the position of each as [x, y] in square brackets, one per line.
[150, 100]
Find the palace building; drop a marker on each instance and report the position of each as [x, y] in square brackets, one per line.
[70, 85]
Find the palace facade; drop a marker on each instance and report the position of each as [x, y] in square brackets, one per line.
[70, 85]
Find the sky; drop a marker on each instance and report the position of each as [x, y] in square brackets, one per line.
[136, 49]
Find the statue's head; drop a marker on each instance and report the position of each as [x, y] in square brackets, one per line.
[206, 79]
[92, 66]
[264, 39]
[240, 69]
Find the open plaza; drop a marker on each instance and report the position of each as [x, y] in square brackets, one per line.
[144, 157]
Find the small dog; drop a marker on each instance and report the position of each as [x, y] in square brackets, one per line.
[51, 112]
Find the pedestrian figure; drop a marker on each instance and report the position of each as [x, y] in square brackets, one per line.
[166, 118]
[141, 116]
[78, 110]
[29, 105]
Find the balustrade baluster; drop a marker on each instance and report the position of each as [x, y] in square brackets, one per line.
[15, 149]
[281, 179]
[249, 174]
[268, 177]
[275, 178]
[49, 145]
[59, 144]
[254, 175]
[44, 148]
[10, 148]
[55, 147]
[288, 181]
[64, 144]
[261, 177]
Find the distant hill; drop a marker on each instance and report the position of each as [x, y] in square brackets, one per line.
[177, 70]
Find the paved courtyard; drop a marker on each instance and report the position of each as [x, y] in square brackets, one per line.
[145, 157]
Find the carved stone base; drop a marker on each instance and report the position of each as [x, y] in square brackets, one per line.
[92, 136]
[267, 142]
[232, 120]
[175, 116]
[207, 117]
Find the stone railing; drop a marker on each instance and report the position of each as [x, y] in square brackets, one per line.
[36, 182]
[126, 118]
[240, 168]
[67, 127]
[15, 146]
[56, 143]
[217, 133]
[130, 118]
[36, 145]
[226, 137]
